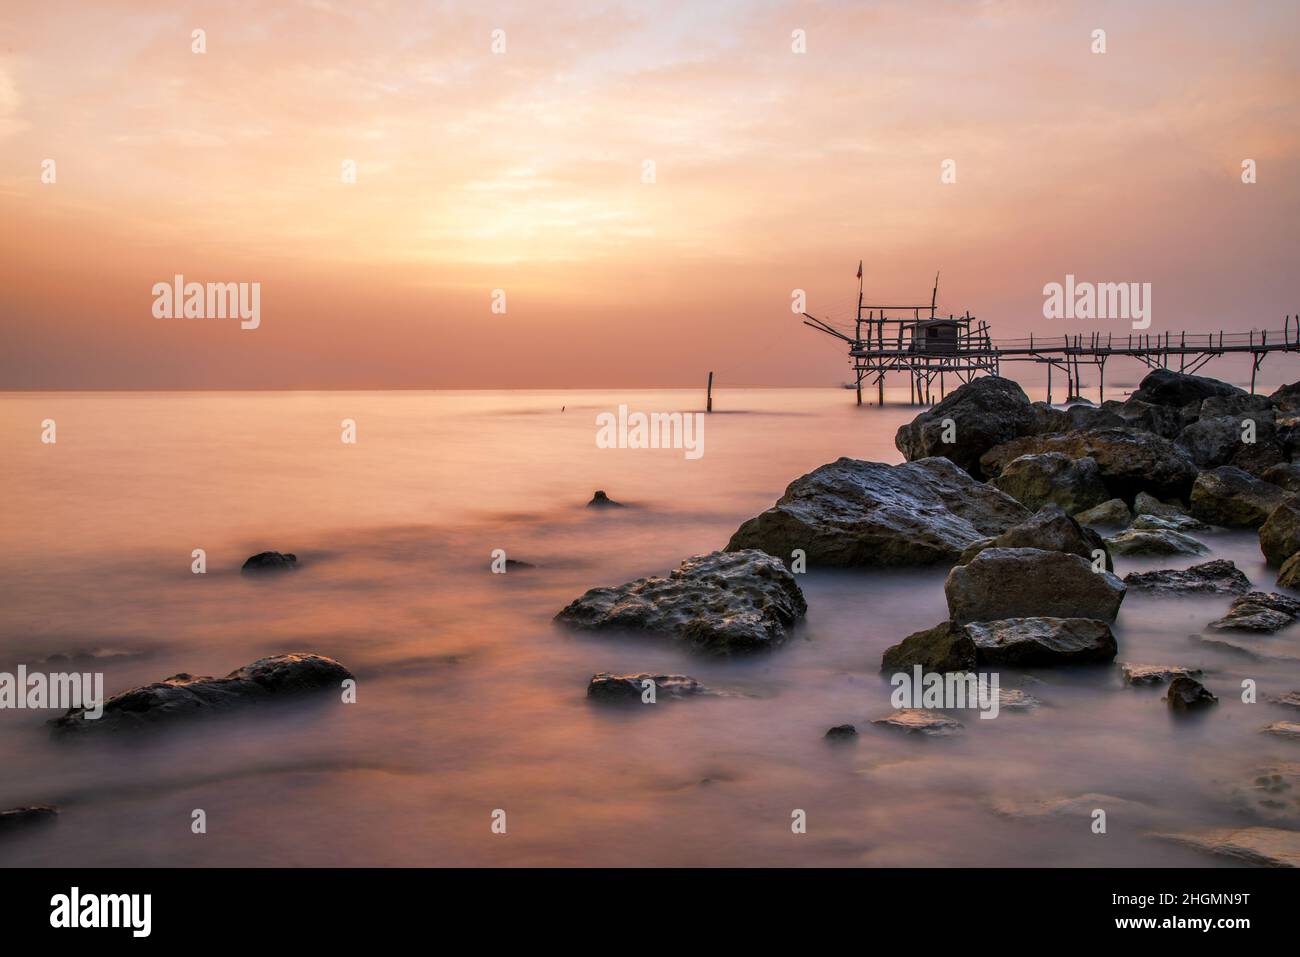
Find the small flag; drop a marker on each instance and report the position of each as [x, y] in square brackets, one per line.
[859, 268]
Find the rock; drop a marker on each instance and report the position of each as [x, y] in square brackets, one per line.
[1141, 541]
[920, 721]
[1049, 529]
[1265, 846]
[1285, 475]
[184, 695]
[1258, 457]
[1286, 398]
[1031, 642]
[1067, 806]
[1272, 794]
[1053, 478]
[1279, 536]
[1289, 575]
[1188, 694]
[985, 412]
[1241, 404]
[1168, 388]
[945, 647]
[1130, 460]
[723, 602]
[1012, 699]
[1149, 506]
[1228, 496]
[17, 818]
[1165, 421]
[270, 562]
[1004, 583]
[842, 732]
[1259, 612]
[1290, 700]
[1109, 514]
[1219, 577]
[1214, 442]
[1158, 523]
[608, 687]
[866, 513]
[1283, 729]
[600, 500]
[516, 563]
[1155, 674]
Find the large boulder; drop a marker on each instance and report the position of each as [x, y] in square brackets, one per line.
[1166, 421]
[852, 512]
[1228, 496]
[1238, 404]
[1286, 398]
[1151, 541]
[1169, 388]
[945, 647]
[186, 696]
[1279, 536]
[1218, 577]
[1049, 529]
[1217, 441]
[723, 602]
[1004, 583]
[1053, 477]
[1130, 460]
[984, 413]
[1285, 475]
[1033, 642]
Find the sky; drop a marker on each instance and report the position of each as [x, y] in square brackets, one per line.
[513, 169]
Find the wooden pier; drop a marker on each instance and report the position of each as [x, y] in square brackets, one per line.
[928, 347]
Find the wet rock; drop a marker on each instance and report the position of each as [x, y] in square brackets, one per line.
[1285, 475]
[1240, 405]
[1171, 515]
[1286, 398]
[1279, 536]
[1068, 806]
[723, 602]
[1219, 577]
[1165, 421]
[1188, 694]
[1158, 523]
[920, 721]
[1130, 460]
[867, 513]
[1214, 442]
[1151, 541]
[609, 687]
[842, 732]
[1264, 846]
[984, 413]
[1283, 729]
[17, 818]
[1168, 388]
[1259, 612]
[1289, 574]
[1233, 498]
[1290, 700]
[1012, 699]
[185, 695]
[270, 562]
[1053, 478]
[1049, 529]
[600, 500]
[1155, 674]
[1112, 513]
[1030, 642]
[945, 647]
[1004, 583]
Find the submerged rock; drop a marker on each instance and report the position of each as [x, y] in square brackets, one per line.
[1029, 642]
[1234, 498]
[945, 647]
[1049, 529]
[1283, 729]
[600, 500]
[1264, 846]
[1169, 388]
[723, 601]
[1151, 541]
[1271, 794]
[1155, 674]
[1112, 513]
[1053, 478]
[984, 413]
[1219, 577]
[852, 512]
[270, 562]
[609, 687]
[1279, 536]
[17, 818]
[842, 732]
[1290, 700]
[920, 721]
[1259, 612]
[1002, 583]
[184, 695]
[1188, 694]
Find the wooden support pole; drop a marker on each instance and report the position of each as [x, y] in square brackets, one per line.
[709, 403]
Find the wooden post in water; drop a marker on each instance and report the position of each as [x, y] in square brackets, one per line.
[708, 406]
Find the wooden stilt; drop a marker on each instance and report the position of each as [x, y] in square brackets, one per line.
[709, 403]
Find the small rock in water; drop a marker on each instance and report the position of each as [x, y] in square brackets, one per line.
[1155, 674]
[19, 817]
[516, 563]
[1029, 642]
[1215, 577]
[1068, 806]
[1136, 541]
[184, 695]
[920, 721]
[945, 647]
[1259, 612]
[270, 562]
[608, 687]
[1266, 846]
[1290, 700]
[1188, 694]
[842, 732]
[601, 500]
[1013, 699]
[1112, 513]
[1283, 729]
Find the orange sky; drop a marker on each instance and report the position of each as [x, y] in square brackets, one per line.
[523, 171]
